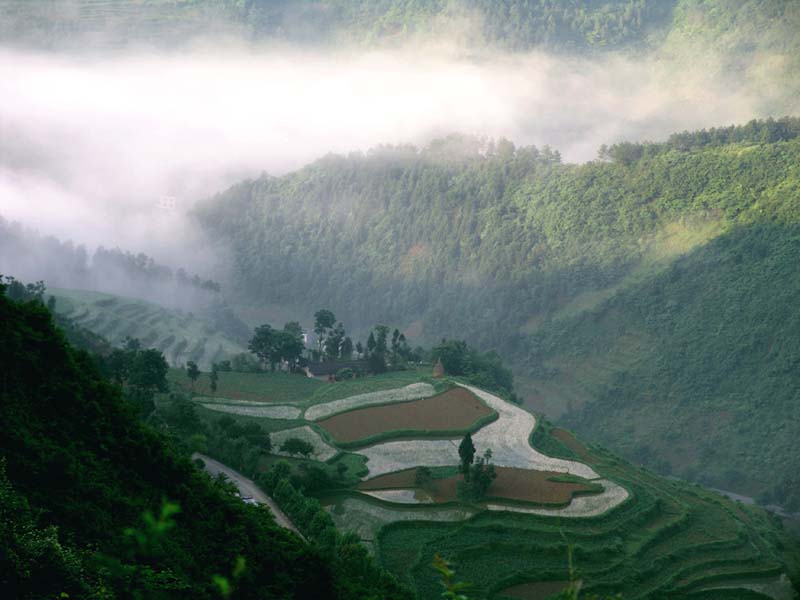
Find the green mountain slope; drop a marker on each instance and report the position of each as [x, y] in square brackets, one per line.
[503, 246]
[712, 392]
[79, 469]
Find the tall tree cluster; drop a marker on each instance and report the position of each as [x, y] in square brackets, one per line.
[274, 346]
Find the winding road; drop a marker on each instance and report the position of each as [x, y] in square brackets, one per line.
[247, 487]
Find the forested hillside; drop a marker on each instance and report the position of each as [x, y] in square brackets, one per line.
[94, 504]
[517, 24]
[507, 247]
[563, 25]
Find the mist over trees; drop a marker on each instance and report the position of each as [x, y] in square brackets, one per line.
[28, 255]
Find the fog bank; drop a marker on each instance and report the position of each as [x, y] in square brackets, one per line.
[112, 150]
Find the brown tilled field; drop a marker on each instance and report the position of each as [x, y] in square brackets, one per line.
[455, 409]
[522, 485]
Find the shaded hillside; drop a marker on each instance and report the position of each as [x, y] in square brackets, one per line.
[77, 459]
[713, 391]
[495, 244]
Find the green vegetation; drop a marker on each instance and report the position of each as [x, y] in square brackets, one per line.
[297, 446]
[572, 25]
[79, 473]
[181, 336]
[657, 279]
[575, 24]
[478, 478]
[484, 370]
[726, 401]
[272, 346]
[748, 44]
[669, 539]
[276, 387]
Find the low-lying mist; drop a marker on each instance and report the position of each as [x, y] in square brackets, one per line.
[113, 149]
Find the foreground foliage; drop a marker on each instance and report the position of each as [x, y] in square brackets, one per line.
[81, 469]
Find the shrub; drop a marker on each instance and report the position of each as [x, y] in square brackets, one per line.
[295, 445]
[346, 373]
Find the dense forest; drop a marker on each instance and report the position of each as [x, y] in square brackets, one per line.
[518, 24]
[96, 504]
[502, 246]
[571, 25]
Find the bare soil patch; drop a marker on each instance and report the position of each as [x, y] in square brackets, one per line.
[455, 409]
[535, 590]
[522, 485]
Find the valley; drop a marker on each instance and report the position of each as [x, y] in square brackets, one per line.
[399, 300]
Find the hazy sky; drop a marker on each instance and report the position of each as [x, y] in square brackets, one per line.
[89, 145]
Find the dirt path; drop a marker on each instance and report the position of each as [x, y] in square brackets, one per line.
[247, 488]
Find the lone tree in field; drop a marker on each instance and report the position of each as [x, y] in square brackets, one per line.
[192, 372]
[482, 474]
[295, 445]
[466, 452]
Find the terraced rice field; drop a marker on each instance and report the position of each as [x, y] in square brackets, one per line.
[454, 410]
[180, 336]
[628, 530]
[410, 392]
[274, 411]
